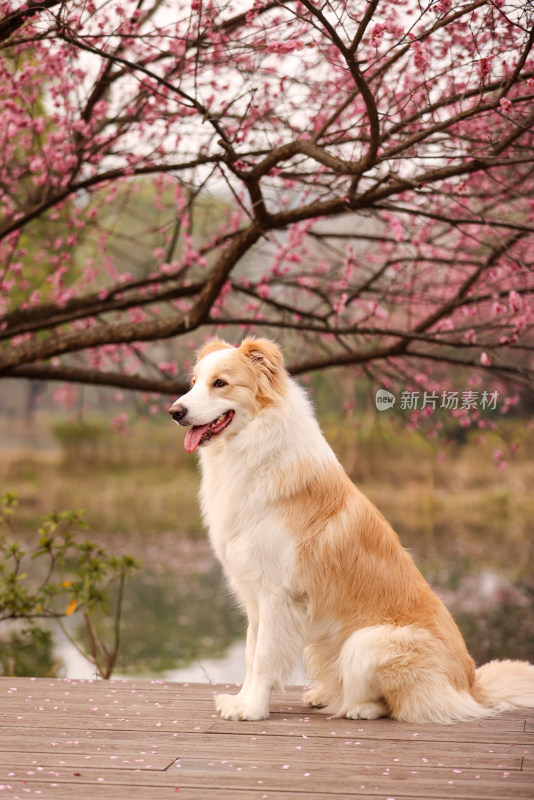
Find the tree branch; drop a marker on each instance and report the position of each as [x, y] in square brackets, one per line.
[16, 19]
[159, 328]
[96, 377]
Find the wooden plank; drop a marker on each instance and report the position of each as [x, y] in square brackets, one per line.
[174, 719]
[41, 687]
[304, 778]
[79, 696]
[57, 739]
[114, 755]
[506, 724]
[158, 750]
[123, 720]
[349, 752]
[44, 790]
[18, 790]
[265, 729]
[358, 780]
[83, 699]
[120, 759]
[389, 729]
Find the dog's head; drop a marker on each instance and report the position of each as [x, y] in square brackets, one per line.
[229, 387]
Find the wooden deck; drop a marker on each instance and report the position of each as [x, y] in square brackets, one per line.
[63, 739]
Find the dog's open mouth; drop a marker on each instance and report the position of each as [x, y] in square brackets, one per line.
[199, 434]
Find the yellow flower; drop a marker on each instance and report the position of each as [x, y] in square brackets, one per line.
[71, 608]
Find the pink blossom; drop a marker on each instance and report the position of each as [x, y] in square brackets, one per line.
[264, 290]
[444, 6]
[515, 301]
[506, 104]
[446, 324]
[484, 66]
[120, 422]
[377, 33]
[169, 367]
[420, 58]
[339, 305]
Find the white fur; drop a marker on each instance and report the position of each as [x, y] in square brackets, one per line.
[204, 405]
[255, 551]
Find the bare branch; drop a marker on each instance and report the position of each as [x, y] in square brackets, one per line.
[16, 19]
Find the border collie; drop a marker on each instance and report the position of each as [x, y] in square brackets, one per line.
[316, 566]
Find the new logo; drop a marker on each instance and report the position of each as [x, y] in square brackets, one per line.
[384, 400]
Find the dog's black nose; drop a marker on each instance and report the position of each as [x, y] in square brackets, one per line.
[178, 412]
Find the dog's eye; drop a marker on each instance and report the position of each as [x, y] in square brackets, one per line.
[219, 383]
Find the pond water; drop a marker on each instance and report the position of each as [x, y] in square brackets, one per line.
[177, 625]
[228, 668]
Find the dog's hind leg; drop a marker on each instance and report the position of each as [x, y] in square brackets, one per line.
[407, 672]
[362, 696]
[322, 663]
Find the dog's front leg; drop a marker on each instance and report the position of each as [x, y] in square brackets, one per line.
[250, 649]
[278, 642]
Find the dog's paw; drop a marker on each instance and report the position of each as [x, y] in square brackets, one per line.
[232, 706]
[315, 698]
[371, 710]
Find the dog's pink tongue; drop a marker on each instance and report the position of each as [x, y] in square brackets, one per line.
[193, 437]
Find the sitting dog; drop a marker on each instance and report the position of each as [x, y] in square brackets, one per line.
[315, 564]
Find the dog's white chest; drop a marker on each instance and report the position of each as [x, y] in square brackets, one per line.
[248, 538]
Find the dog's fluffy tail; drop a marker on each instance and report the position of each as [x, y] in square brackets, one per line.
[506, 685]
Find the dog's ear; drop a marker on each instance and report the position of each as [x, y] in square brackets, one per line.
[268, 361]
[264, 354]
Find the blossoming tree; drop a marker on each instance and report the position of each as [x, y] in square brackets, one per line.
[354, 178]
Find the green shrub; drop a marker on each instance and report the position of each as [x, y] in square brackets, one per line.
[60, 576]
